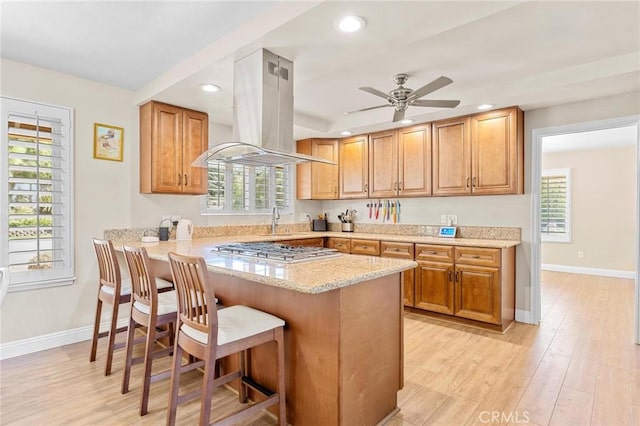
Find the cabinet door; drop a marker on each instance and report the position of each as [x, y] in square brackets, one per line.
[496, 152]
[478, 293]
[305, 242]
[383, 164]
[166, 149]
[409, 287]
[353, 167]
[434, 287]
[195, 141]
[414, 161]
[324, 177]
[451, 152]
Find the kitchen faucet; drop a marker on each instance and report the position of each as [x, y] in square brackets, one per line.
[275, 215]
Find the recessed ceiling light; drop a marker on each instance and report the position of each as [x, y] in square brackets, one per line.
[485, 107]
[210, 87]
[406, 121]
[351, 24]
[345, 133]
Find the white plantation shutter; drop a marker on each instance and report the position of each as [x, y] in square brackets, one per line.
[37, 194]
[234, 188]
[555, 205]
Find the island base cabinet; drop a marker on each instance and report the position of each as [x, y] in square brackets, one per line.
[478, 293]
[434, 289]
[333, 376]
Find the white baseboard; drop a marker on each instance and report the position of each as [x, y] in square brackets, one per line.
[589, 271]
[53, 340]
[524, 316]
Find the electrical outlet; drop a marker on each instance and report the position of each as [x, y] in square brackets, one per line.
[580, 254]
[175, 217]
[452, 219]
[443, 219]
[304, 217]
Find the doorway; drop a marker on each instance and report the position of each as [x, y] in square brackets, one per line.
[554, 226]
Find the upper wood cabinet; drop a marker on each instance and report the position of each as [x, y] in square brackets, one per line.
[479, 154]
[451, 151]
[497, 147]
[317, 181]
[353, 167]
[414, 161]
[171, 138]
[400, 162]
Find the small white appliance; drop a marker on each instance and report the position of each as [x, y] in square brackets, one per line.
[184, 230]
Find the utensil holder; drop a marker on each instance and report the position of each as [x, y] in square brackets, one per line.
[347, 227]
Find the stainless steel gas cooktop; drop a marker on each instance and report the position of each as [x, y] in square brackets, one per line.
[276, 252]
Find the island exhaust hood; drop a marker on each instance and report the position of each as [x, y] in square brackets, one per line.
[262, 115]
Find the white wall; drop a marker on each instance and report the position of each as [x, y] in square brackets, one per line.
[107, 193]
[603, 208]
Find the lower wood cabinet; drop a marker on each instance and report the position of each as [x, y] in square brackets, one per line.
[472, 283]
[468, 282]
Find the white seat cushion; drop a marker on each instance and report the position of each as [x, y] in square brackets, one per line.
[167, 303]
[235, 323]
[125, 287]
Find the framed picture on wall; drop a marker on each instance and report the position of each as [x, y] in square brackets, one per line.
[107, 142]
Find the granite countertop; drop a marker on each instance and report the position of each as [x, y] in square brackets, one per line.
[314, 276]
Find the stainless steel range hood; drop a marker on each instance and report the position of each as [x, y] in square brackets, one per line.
[262, 115]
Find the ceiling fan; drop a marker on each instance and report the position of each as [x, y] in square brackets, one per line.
[403, 97]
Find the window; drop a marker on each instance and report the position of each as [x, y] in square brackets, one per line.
[555, 205]
[36, 221]
[234, 188]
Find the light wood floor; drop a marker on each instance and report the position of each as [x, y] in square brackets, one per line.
[579, 367]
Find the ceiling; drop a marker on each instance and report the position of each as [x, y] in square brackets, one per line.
[532, 54]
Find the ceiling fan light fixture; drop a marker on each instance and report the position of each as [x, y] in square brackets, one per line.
[210, 88]
[351, 24]
[345, 133]
[406, 121]
[485, 107]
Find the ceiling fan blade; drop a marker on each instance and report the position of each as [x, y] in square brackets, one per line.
[398, 115]
[433, 103]
[375, 92]
[436, 84]
[367, 109]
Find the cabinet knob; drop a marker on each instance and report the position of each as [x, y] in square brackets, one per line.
[451, 276]
[475, 180]
[467, 182]
[366, 187]
[179, 179]
[433, 252]
[476, 256]
[186, 180]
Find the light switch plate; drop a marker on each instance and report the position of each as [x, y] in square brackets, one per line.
[452, 219]
[443, 219]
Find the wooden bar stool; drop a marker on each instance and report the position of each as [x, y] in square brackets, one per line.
[113, 291]
[149, 309]
[209, 334]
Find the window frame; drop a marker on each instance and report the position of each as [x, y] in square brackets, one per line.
[566, 236]
[40, 278]
[251, 196]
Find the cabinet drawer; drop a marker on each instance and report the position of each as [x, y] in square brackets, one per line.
[399, 250]
[306, 242]
[370, 247]
[343, 245]
[434, 253]
[478, 256]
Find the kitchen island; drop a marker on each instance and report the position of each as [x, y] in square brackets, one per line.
[343, 334]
